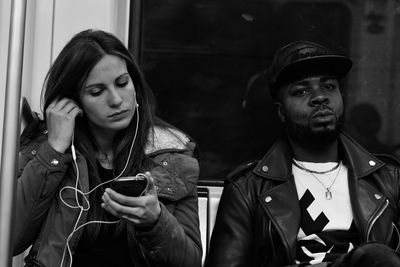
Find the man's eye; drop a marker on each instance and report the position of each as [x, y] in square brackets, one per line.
[329, 86]
[300, 92]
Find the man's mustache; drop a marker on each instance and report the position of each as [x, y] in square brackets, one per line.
[322, 109]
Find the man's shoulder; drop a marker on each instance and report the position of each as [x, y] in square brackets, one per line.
[388, 159]
[277, 154]
[241, 171]
[390, 171]
[358, 153]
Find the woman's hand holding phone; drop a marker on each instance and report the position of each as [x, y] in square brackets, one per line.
[143, 210]
[60, 118]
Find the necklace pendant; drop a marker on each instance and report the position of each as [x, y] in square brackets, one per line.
[328, 194]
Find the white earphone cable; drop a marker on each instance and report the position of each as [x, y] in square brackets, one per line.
[84, 195]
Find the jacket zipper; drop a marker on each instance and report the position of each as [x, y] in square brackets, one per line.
[375, 219]
[394, 228]
[143, 255]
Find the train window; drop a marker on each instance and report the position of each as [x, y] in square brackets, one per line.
[206, 59]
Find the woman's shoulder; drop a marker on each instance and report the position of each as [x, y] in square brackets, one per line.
[167, 138]
[176, 170]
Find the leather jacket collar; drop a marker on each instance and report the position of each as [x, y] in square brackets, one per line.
[276, 164]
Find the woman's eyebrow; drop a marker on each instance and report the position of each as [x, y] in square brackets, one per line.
[93, 85]
[101, 84]
[123, 74]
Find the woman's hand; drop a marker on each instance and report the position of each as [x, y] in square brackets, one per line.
[142, 211]
[60, 118]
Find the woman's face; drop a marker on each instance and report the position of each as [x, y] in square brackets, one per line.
[108, 96]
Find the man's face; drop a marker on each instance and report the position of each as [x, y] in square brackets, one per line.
[311, 109]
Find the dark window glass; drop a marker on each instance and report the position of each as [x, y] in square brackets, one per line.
[205, 61]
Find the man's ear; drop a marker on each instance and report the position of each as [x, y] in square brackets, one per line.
[280, 110]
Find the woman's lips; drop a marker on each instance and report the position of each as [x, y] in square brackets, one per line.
[118, 115]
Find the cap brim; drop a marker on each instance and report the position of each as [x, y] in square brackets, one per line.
[336, 65]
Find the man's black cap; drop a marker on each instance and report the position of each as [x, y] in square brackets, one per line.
[302, 57]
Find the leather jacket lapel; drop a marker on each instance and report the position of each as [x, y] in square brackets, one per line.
[368, 204]
[282, 207]
[277, 163]
[356, 158]
[280, 202]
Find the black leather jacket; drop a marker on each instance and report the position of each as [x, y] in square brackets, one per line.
[258, 217]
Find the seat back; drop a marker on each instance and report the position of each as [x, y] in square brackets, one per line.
[209, 195]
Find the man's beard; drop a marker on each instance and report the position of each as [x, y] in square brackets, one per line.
[305, 137]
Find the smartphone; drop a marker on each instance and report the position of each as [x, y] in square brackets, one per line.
[133, 186]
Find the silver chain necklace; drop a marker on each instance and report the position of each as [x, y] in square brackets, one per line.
[328, 193]
[300, 166]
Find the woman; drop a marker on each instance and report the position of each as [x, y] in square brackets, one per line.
[99, 126]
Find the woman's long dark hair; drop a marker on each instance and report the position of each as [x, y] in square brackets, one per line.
[66, 78]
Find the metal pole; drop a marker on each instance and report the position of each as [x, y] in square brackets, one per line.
[11, 129]
[135, 24]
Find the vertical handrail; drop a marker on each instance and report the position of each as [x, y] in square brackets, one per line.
[135, 28]
[11, 129]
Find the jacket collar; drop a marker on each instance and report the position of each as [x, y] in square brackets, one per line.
[277, 164]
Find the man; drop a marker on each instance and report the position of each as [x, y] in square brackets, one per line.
[317, 197]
